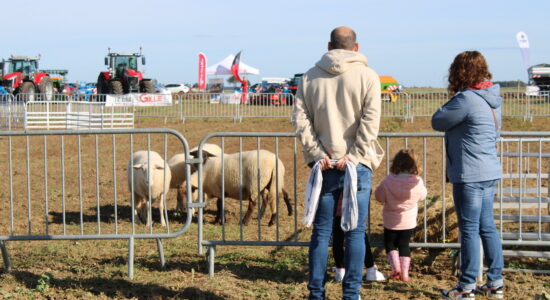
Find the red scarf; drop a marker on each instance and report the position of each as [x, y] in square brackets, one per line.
[481, 85]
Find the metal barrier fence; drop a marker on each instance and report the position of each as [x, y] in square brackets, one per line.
[274, 105]
[518, 223]
[73, 185]
[209, 105]
[11, 113]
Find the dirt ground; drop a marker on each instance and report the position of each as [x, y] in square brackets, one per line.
[98, 270]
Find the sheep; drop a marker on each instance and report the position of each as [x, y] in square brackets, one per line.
[267, 181]
[159, 184]
[177, 168]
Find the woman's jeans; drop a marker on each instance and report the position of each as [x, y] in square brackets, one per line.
[474, 208]
[333, 182]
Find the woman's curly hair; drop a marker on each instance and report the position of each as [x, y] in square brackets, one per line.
[405, 161]
[468, 69]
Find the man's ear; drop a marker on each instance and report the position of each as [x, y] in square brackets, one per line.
[356, 48]
[329, 46]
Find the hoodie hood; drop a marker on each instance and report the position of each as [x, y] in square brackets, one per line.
[402, 186]
[491, 95]
[338, 61]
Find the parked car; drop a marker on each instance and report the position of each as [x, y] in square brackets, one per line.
[272, 94]
[176, 88]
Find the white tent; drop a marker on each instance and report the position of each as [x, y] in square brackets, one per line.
[224, 68]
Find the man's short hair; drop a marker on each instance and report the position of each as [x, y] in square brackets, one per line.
[340, 39]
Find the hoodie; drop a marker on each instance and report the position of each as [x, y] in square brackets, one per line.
[337, 110]
[471, 134]
[400, 195]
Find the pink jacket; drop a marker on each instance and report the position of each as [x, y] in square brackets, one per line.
[400, 195]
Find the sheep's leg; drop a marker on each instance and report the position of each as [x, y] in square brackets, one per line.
[287, 202]
[138, 210]
[251, 206]
[145, 208]
[265, 201]
[272, 200]
[219, 213]
[179, 202]
[161, 209]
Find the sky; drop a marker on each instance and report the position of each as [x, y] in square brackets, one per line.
[413, 41]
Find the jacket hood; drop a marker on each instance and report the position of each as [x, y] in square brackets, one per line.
[491, 95]
[338, 61]
[401, 186]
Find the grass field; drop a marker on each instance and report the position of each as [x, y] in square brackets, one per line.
[97, 269]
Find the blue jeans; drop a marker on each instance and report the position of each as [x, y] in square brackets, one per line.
[474, 208]
[333, 182]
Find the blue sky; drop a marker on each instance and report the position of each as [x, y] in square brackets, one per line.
[414, 41]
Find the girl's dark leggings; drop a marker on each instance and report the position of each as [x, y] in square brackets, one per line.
[338, 246]
[398, 240]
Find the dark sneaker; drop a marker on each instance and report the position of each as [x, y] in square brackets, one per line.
[458, 293]
[490, 292]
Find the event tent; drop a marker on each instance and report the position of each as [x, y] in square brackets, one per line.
[224, 68]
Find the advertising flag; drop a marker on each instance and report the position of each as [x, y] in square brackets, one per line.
[235, 67]
[202, 71]
[523, 44]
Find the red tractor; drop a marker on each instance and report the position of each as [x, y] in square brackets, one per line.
[23, 77]
[123, 76]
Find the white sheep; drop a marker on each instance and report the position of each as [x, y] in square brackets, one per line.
[266, 185]
[160, 184]
[177, 168]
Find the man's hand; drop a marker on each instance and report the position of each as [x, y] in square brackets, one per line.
[341, 164]
[325, 163]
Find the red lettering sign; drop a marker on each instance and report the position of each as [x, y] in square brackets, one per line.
[149, 98]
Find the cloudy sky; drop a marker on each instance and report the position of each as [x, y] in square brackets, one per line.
[414, 41]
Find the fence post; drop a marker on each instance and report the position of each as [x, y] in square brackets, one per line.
[25, 115]
[5, 257]
[131, 257]
[161, 253]
[181, 108]
[211, 254]
[409, 114]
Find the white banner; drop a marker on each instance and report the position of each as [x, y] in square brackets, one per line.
[138, 99]
[523, 44]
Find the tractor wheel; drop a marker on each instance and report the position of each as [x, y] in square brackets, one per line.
[115, 87]
[147, 87]
[27, 91]
[102, 84]
[46, 89]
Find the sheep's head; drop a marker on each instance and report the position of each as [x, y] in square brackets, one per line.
[205, 155]
[193, 183]
[145, 166]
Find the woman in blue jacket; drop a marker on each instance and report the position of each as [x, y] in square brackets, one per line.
[471, 122]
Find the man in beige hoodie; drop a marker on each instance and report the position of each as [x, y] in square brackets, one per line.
[337, 117]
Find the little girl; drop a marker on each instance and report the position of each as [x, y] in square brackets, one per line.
[400, 193]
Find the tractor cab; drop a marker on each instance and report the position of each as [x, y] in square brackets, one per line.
[123, 75]
[25, 65]
[122, 62]
[23, 77]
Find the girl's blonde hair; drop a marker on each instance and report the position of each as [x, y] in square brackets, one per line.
[405, 161]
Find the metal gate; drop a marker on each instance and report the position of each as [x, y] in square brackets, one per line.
[72, 185]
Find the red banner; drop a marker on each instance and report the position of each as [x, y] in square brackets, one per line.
[202, 71]
[235, 67]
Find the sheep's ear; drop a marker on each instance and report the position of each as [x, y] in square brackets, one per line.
[138, 166]
[159, 167]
